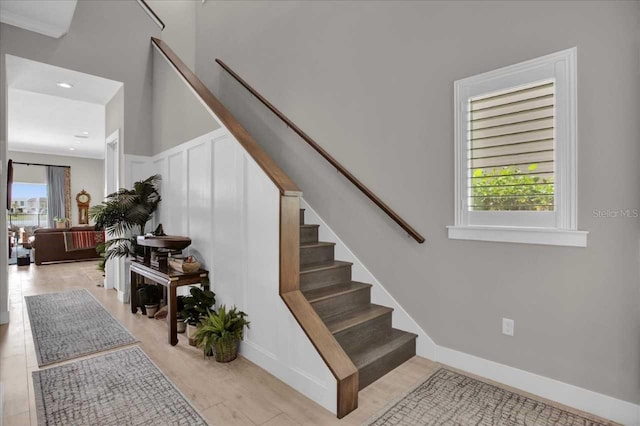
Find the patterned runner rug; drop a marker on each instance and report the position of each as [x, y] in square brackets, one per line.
[71, 324]
[123, 387]
[450, 398]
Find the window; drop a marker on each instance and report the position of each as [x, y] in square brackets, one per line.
[515, 145]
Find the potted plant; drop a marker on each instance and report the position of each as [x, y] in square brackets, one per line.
[124, 215]
[196, 305]
[180, 324]
[61, 222]
[150, 295]
[220, 333]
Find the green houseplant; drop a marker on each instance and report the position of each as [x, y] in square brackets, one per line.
[220, 333]
[124, 215]
[195, 306]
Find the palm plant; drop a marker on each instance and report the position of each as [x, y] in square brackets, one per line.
[221, 332]
[126, 212]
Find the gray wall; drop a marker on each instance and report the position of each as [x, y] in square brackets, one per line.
[179, 17]
[373, 83]
[106, 38]
[109, 39]
[178, 116]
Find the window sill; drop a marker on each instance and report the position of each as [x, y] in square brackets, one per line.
[546, 236]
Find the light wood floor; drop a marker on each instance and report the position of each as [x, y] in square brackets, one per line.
[238, 393]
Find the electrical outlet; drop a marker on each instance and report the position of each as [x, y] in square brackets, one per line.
[508, 326]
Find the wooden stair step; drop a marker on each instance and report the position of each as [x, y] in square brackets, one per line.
[375, 360]
[301, 216]
[316, 252]
[308, 233]
[333, 291]
[324, 274]
[339, 298]
[350, 319]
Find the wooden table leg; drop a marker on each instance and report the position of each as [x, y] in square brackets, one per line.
[173, 327]
[133, 290]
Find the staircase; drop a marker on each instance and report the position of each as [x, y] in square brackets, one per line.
[362, 328]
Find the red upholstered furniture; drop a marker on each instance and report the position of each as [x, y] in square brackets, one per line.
[49, 246]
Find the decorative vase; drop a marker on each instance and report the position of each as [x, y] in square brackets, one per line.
[181, 325]
[226, 350]
[151, 310]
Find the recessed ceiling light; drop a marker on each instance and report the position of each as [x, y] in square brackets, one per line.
[64, 85]
[85, 133]
[72, 149]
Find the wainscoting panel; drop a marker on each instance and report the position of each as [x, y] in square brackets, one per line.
[216, 194]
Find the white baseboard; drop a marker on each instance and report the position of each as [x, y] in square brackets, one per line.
[306, 384]
[4, 317]
[601, 405]
[123, 297]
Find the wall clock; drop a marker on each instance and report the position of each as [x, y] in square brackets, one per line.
[83, 199]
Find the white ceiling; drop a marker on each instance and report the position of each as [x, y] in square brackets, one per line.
[48, 17]
[33, 76]
[48, 124]
[45, 118]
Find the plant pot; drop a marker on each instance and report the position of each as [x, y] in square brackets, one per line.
[226, 351]
[60, 225]
[151, 310]
[191, 330]
[181, 325]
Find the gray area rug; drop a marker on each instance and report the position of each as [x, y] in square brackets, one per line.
[450, 398]
[123, 387]
[71, 324]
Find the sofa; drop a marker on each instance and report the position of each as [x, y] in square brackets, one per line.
[52, 245]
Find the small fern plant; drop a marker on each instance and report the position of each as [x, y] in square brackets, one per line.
[220, 332]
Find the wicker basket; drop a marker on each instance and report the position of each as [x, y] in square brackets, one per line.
[184, 267]
[226, 351]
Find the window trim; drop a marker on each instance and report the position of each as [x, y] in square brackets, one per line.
[562, 68]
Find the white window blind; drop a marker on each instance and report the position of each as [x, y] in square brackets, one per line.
[511, 161]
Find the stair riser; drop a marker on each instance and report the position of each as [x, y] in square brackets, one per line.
[376, 329]
[308, 235]
[319, 254]
[301, 217]
[325, 277]
[340, 304]
[385, 364]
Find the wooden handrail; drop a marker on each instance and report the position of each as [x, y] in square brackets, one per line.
[338, 362]
[341, 169]
[151, 13]
[275, 173]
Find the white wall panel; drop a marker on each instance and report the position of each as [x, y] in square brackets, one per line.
[217, 195]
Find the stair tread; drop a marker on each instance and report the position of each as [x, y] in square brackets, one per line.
[308, 225]
[322, 266]
[352, 318]
[367, 354]
[334, 290]
[317, 244]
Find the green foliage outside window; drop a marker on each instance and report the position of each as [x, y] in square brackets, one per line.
[509, 189]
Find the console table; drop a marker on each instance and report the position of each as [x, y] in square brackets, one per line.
[169, 279]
